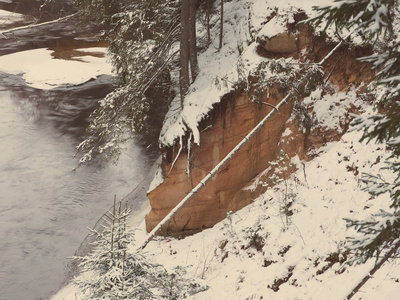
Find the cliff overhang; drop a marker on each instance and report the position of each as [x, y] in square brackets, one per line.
[297, 130]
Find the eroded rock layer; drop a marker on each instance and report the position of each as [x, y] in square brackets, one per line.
[212, 203]
[238, 183]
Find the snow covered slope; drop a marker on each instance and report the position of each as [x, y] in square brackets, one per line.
[291, 242]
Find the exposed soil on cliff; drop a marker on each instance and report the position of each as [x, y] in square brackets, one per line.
[225, 126]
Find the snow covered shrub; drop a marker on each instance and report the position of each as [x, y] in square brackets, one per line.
[113, 271]
[280, 182]
[286, 75]
[228, 225]
[255, 235]
[176, 286]
[373, 20]
[306, 120]
[110, 271]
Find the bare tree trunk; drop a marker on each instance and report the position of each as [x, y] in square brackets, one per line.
[222, 24]
[208, 11]
[184, 50]
[194, 67]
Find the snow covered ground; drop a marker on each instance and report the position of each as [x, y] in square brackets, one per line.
[7, 18]
[265, 251]
[41, 70]
[289, 243]
[248, 254]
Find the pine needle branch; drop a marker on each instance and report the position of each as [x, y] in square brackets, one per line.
[373, 271]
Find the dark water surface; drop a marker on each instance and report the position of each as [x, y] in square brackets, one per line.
[45, 207]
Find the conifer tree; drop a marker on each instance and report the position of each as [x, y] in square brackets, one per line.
[142, 36]
[373, 19]
[114, 271]
[110, 271]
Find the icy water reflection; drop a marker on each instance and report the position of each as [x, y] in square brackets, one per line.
[44, 206]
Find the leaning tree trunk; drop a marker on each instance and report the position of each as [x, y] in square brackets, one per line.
[184, 50]
[35, 25]
[194, 67]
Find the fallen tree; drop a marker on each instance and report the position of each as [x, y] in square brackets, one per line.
[35, 25]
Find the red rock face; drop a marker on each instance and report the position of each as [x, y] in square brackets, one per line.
[218, 197]
[228, 191]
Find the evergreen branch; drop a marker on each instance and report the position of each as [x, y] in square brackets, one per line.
[374, 269]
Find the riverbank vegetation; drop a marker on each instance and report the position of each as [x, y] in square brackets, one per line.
[153, 51]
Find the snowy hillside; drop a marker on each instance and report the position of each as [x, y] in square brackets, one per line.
[292, 241]
[288, 244]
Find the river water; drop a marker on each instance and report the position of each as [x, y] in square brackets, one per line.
[45, 207]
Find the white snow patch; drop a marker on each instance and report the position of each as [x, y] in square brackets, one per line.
[273, 28]
[287, 132]
[221, 68]
[7, 17]
[41, 70]
[69, 292]
[332, 110]
[157, 180]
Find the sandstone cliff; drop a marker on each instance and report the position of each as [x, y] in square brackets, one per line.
[295, 130]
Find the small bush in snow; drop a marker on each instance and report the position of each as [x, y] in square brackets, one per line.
[112, 271]
[255, 235]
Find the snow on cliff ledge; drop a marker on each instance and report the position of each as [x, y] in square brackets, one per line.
[219, 69]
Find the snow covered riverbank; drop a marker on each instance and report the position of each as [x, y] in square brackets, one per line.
[261, 253]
